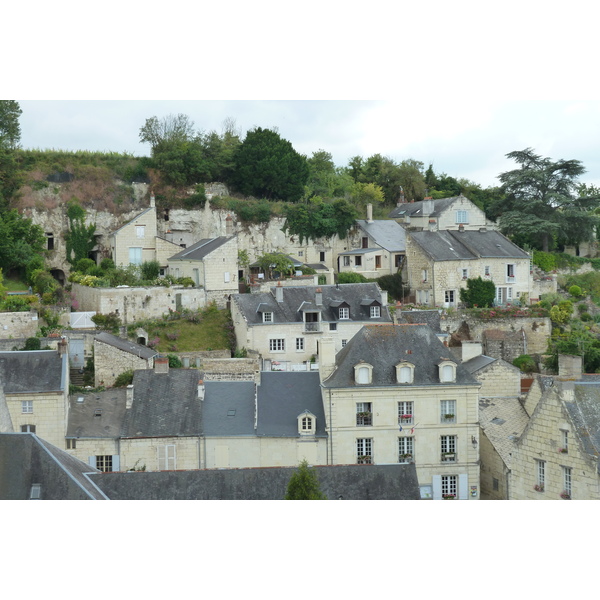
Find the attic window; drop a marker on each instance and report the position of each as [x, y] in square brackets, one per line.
[306, 424]
[231, 413]
[98, 412]
[447, 372]
[80, 399]
[344, 313]
[363, 373]
[36, 491]
[405, 372]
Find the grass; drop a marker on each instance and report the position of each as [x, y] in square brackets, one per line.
[207, 329]
[15, 285]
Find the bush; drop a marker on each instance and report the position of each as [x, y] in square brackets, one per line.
[106, 264]
[544, 260]
[478, 293]
[575, 291]
[392, 284]
[32, 343]
[83, 265]
[124, 379]
[110, 322]
[15, 304]
[150, 270]
[525, 363]
[351, 278]
[174, 361]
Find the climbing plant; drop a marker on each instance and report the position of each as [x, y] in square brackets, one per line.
[80, 237]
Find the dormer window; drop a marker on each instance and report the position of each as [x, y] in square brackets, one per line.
[307, 423]
[344, 313]
[405, 372]
[462, 216]
[363, 373]
[375, 312]
[447, 371]
[267, 317]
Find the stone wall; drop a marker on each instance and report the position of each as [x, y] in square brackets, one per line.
[18, 324]
[110, 362]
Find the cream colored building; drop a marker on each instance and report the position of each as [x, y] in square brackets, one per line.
[439, 263]
[34, 387]
[441, 214]
[396, 394]
[212, 265]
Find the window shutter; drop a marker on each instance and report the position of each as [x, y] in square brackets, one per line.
[92, 461]
[436, 481]
[115, 463]
[161, 457]
[463, 487]
[170, 456]
[226, 276]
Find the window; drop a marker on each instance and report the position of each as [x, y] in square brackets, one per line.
[300, 253]
[358, 261]
[344, 313]
[226, 277]
[378, 262]
[495, 484]
[346, 261]
[375, 312]
[510, 273]
[27, 406]
[321, 256]
[405, 372]
[405, 413]
[540, 475]
[364, 451]
[566, 494]
[71, 444]
[299, 344]
[135, 256]
[447, 372]
[365, 242]
[486, 271]
[166, 457]
[306, 424]
[564, 434]
[362, 373]
[36, 491]
[449, 296]
[139, 231]
[277, 345]
[104, 463]
[465, 273]
[364, 414]
[405, 450]
[424, 275]
[448, 411]
[344, 342]
[449, 487]
[398, 260]
[462, 216]
[448, 448]
[27, 428]
[49, 241]
[332, 326]
[267, 317]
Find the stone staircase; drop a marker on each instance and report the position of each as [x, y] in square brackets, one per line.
[76, 377]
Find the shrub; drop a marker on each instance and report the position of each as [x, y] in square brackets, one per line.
[83, 265]
[150, 270]
[525, 363]
[575, 291]
[15, 304]
[585, 316]
[32, 343]
[544, 260]
[351, 278]
[124, 379]
[392, 284]
[106, 264]
[174, 361]
[478, 293]
[110, 322]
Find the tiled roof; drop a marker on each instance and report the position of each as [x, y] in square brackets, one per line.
[388, 234]
[125, 345]
[99, 415]
[34, 371]
[416, 208]
[384, 346]
[228, 408]
[200, 249]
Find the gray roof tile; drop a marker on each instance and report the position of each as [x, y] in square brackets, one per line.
[200, 249]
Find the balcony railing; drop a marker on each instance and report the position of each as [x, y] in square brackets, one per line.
[448, 457]
[405, 458]
[364, 460]
[312, 327]
[364, 419]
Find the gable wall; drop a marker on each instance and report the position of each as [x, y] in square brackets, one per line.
[499, 380]
[110, 362]
[491, 467]
[126, 238]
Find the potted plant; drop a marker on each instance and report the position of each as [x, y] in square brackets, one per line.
[565, 495]
[538, 487]
[449, 496]
[563, 450]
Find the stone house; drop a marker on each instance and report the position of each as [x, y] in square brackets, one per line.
[378, 248]
[439, 263]
[286, 325]
[441, 214]
[211, 264]
[34, 388]
[396, 394]
[114, 355]
[138, 241]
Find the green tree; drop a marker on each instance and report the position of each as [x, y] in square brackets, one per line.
[366, 193]
[170, 129]
[10, 129]
[275, 262]
[304, 485]
[412, 180]
[541, 202]
[267, 166]
[21, 242]
[80, 238]
[11, 175]
[478, 293]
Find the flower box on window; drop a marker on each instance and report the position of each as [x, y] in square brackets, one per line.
[449, 496]
[364, 460]
[448, 456]
[565, 495]
[538, 487]
[563, 450]
[449, 416]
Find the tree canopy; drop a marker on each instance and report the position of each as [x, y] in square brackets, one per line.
[21, 242]
[304, 485]
[267, 166]
[10, 129]
[541, 202]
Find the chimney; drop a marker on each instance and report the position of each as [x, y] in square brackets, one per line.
[570, 366]
[62, 346]
[471, 350]
[369, 213]
[161, 364]
[228, 225]
[319, 297]
[427, 207]
[152, 201]
[200, 389]
[129, 397]
[461, 227]
[279, 292]
[384, 298]
[326, 358]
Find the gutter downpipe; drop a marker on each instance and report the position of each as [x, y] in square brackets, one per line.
[330, 431]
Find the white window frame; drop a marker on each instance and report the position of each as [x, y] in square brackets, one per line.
[344, 313]
[464, 273]
[361, 419]
[565, 441]
[166, 457]
[424, 275]
[450, 297]
[135, 255]
[28, 428]
[486, 271]
[462, 217]
[307, 424]
[568, 480]
[140, 231]
[406, 415]
[277, 345]
[405, 373]
[364, 451]
[267, 317]
[346, 261]
[449, 486]
[540, 471]
[375, 312]
[300, 344]
[406, 447]
[344, 342]
[27, 407]
[226, 276]
[447, 407]
[448, 444]
[447, 372]
[511, 271]
[363, 373]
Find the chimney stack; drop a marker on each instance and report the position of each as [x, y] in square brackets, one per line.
[279, 292]
[161, 364]
[319, 297]
[200, 389]
[152, 200]
[228, 225]
[369, 213]
[326, 358]
[129, 397]
[62, 346]
[570, 366]
[471, 350]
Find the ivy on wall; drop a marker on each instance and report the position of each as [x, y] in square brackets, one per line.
[79, 239]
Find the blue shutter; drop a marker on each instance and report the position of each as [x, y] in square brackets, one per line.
[463, 487]
[92, 461]
[436, 481]
[116, 466]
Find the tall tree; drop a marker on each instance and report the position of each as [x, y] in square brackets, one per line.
[10, 129]
[304, 485]
[11, 177]
[267, 166]
[21, 242]
[541, 201]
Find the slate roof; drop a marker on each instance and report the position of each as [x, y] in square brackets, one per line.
[297, 299]
[33, 371]
[282, 397]
[388, 234]
[125, 345]
[384, 346]
[200, 249]
[26, 459]
[84, 422]
[416, 208]
[415, 317]
[228, 408]
[351, 482]
[450, 245]
[134, 218]
[503, 422]
[478, 362]
[164, 404]
[585, 414]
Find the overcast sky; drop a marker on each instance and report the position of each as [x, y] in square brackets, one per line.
[468, 137]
